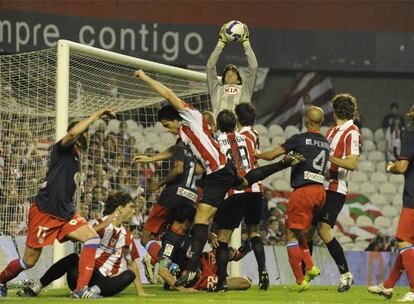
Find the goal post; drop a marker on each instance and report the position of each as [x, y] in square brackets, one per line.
[41, 92]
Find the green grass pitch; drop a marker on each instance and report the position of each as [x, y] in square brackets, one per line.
[275, 294]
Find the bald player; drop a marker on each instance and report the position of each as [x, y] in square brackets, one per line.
[308, 196]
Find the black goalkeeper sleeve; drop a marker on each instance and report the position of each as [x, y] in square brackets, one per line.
[258, 174]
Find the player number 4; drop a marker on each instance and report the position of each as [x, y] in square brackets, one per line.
[319, 162]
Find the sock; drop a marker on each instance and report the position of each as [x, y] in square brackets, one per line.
[59, 269]
[395, 273]
[12, 270]
[295, 260]
[87, 262]
[337, 253]
[310, 246]
[407, 256]
[153, 248]
[259, 252]
[199, 239]
[306, 256]
[222, 258]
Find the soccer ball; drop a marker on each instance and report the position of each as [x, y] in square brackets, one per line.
[234, 30]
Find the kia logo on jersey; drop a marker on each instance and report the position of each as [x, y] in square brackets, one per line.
[232, 91]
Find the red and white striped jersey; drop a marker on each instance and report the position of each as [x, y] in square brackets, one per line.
[195, 133]
[116, 244]
[240, 150]
[343, 140]
[252, 134]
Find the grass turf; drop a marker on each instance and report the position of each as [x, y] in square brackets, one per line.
[275, 294]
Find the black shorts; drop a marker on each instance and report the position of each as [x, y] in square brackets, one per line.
[333, 206]
[239, 206]
[215, 185]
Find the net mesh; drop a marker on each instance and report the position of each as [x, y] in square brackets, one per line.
[27, 133]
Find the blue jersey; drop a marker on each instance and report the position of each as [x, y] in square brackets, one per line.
[407, 153]
[57, 191]
[315, 149]
[183, 186]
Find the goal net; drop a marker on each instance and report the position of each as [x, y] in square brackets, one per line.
[41, 92]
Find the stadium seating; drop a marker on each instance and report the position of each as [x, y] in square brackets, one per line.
[276, 131]
[382, 223]
[291, 130]
[388, 189]
[353, 187]
[396, 179]
[378, 200]
[382, 146]
[358, 177]
[377, 178]
[390, 211]
[368, 146]
[366, 167]
[368, 188]
[367, 134]
[397, 200]
[376, 156]
[324, 129]
[277, 140]
[261, 129]
[363, 221]
[379, 135]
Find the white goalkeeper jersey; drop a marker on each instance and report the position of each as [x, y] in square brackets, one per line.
[240, 150]
[116, 244]
[229, 95]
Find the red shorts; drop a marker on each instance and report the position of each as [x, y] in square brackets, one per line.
[157, 219]
[44, 229]
[405, 228]
[303, 204]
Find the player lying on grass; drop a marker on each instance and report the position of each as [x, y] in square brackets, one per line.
[178, 197]
[174, 256]
[220, 175]
[116, 245]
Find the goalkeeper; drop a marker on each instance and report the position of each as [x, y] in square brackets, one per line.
[232, 89]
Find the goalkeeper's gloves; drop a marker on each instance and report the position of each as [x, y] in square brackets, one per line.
[222, 36]
[246, 34]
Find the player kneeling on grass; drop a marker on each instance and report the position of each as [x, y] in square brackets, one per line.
[116, 245]
[175, 254]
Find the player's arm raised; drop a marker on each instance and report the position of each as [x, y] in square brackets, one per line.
[164, 155]
[349, 163]
[165, 92]
[83, 125]
[174, 173]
